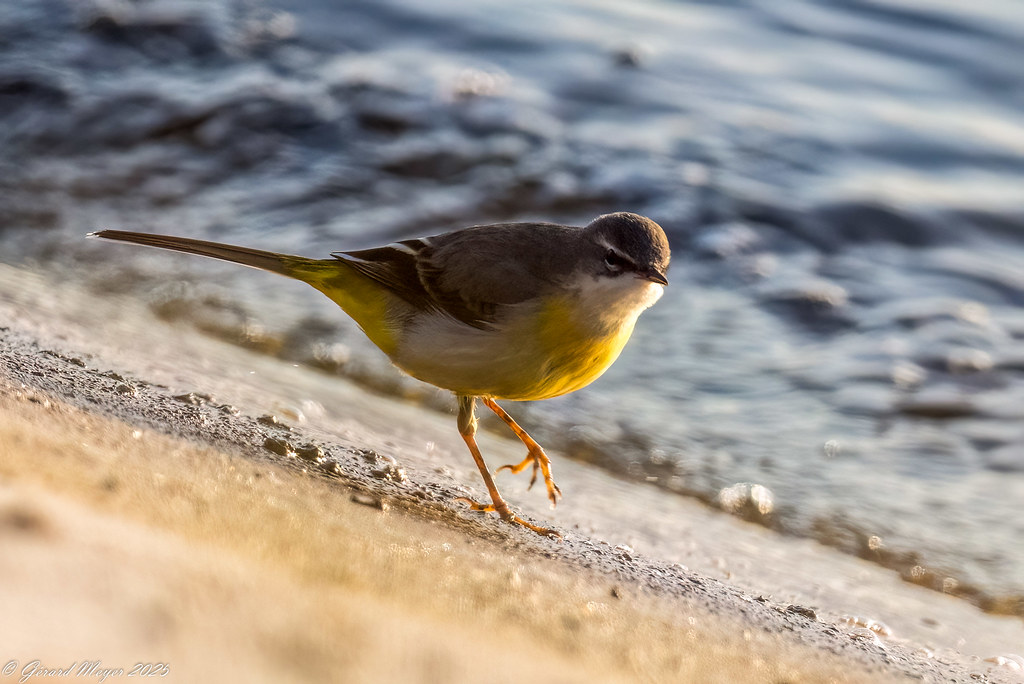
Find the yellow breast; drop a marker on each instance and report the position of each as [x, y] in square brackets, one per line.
[582, 332]
[577, 351]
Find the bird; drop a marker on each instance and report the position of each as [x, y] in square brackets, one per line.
[512, 311]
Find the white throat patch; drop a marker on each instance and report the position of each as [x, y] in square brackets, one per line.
[611, 302]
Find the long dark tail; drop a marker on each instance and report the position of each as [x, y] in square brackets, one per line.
[284, 264]
[364, 299]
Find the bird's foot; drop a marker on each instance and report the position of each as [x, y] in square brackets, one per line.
[508, 516]
[540, 461]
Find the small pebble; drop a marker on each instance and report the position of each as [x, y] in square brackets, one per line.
[369, 455]
[279, 447]
[803, 611]
[330, 467]
[369, 500]
[272, 421]
[310, 452]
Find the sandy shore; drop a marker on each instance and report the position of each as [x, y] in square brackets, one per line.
[145, 518]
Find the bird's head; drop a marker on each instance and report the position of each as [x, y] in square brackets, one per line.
[627, 245]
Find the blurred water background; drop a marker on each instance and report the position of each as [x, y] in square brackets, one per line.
[840, 354]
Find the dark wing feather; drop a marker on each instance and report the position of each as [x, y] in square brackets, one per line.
[486, 268]
[404, 268]
[470, 274]
[393, 266]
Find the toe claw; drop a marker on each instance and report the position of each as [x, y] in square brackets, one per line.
[474, 506]
[533, 477]
[541, 464]
[517, 468]
[509, 517]
[553, 496]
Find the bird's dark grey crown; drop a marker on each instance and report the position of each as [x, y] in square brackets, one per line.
[638, 237]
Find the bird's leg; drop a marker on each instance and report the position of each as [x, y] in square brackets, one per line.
[536, 456]
[467, 428]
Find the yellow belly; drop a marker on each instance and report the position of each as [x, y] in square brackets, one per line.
[577, 353]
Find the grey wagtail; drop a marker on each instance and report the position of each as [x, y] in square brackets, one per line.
[518, 311]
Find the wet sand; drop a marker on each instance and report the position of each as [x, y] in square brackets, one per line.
[146, 518]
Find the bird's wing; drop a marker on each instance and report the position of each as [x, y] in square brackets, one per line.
[470, 274]
[393, 266]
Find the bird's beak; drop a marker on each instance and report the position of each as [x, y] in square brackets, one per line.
[654, 276]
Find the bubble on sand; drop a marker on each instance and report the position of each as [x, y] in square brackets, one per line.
[1011, 661]
[390, 471]
[749, 501]
[879, 628]
[292, 412]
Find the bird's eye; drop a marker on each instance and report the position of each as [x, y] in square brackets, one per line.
[613, 261]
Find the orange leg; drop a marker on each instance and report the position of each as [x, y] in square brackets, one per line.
[536, 456]
[467, 428]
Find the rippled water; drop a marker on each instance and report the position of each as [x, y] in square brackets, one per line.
[840, 182]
